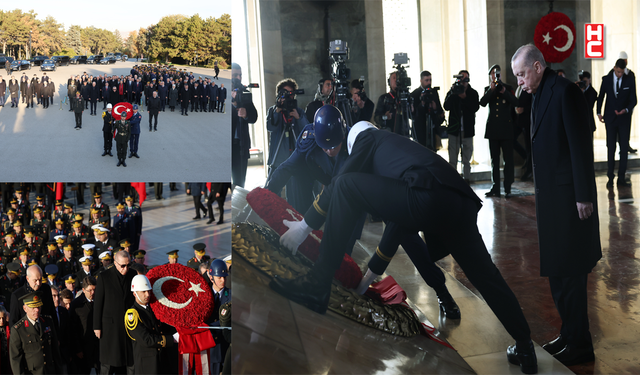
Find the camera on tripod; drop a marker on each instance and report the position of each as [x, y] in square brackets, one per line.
[497, 81]
[243, 98]
[286, 100]
[403, 81]
[458, 87]
[339, 54]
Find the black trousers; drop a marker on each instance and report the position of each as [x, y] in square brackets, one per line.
[80, 192]
[157, 187]
[238, 165]
[108, 140]
[447, 219]
[78, 119]
[45, 102]
[94, 105]
[185, 107]
[153, 115]
[213, 105]
[197, 203]
[108, 370]
[570, 297]
[618, 130]
[506, 145]
[212, 198]
[121, 147]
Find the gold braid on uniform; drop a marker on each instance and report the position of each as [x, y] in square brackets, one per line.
[382, 256]
[317, 206]
[163, 343]
[131, 319]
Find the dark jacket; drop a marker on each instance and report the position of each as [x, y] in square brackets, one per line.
[173, 97]
[112, 298]
[591, 96]
[83, 338]
[466, 107]
[143, 328]
[563, 172]
[33, 353]
[78, 105]
[627, 98]
[240, 129]
[107, 125]
[17, 312]
[501, 106]
[154, 104]
[94, 93]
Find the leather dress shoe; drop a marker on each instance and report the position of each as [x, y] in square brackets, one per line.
[623, 183]
[130, 155]
[196, 218]
[610, 183]
[119, 163]
[492, 193]
[136, 155]
[555, 346]
[110, 154]
[525, 358]
[124, 164]
[104, 153]
[305, 290]
[632, 150]
[211, 221]
[573, 355]
[448, 306]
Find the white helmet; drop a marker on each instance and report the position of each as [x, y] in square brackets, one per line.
[355, 130]
[140, 283]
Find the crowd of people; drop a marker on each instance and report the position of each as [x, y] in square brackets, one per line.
[69, 278]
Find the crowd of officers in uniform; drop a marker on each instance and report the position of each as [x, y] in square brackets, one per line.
[52, 264]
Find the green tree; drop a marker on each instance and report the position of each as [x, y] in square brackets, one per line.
[74, 38]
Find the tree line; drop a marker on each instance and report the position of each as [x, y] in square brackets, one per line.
[174, 39]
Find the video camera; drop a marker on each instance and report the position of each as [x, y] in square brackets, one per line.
[244, 98]
[458, 88]
[339, 54]
[498, 81]
[286, 100]
[403, 81]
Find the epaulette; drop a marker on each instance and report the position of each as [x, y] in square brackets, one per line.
[131, 319]
[307, 139]
[19, 322]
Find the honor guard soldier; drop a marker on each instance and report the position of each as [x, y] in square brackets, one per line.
[102, 207]
[138, 257]
[173, 256]
[40, 224]
[143, 328]
[68, 264]
[9, 282]
[135, 212]
[199, 251]
[87, 269]
[107, 130]
[135, 133]
[52, 275]
[10, 248]
[34, 342]
[218, 275]
[122, 137]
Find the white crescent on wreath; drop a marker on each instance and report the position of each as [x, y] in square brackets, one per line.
[157, 291]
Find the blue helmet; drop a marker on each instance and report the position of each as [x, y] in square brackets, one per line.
[218, 268]
[135, 106]
[328, 126]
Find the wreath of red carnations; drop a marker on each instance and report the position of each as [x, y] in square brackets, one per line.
[555, 37]
[273, 210]
[182, 298]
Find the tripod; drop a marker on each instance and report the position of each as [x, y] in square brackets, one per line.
[402, 117]
[344, 106]
[287, 130]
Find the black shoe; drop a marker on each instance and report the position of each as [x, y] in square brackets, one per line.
[155, 130]
[448, 306]
[110, 154]
[526, 359]
[136, 155]
[104, 153]
[508, 195]
[124, 164]
[211, 221]
[204, 212]
[624, 182]
[492, 193]
[632, 150]
[305, 290]
[186, 114]
[130, 155]
[610, 183]
[555, 346]
[196, 218]
[220, 221]
[119, 163]
[572, 355]
[150, 130]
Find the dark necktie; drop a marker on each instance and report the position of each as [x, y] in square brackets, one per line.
[37, 327]
[618, 86]
[217, 300]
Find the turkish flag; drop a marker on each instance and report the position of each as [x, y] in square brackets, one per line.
[59, 189]
[119, 108]
[141, 189]
[555, 37]
[209, 186]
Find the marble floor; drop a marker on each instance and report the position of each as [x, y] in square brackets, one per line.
[277, 336]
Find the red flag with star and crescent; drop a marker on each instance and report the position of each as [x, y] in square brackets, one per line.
[117, 110]
[555, 37]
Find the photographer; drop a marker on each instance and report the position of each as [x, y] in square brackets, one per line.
[427, 102]
[363, 106]
[386, 107]
[462, 103]
[584, 82]
[499, 130]
[241, 117]
[285, 121]
[323, 95]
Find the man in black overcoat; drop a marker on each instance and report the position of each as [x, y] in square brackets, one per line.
[566, 204]
[85, 344]
[33, 284]
[112, 299]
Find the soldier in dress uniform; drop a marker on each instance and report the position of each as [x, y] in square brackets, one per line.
[138, 257]
[173, 256]
[134, 212]
[33, 343]
[19, 234]
[77, 238]
[10, 248]
[95, 217]
[33, 244]
[41, 205]
[123, 225]
[199, 256]
[61, 240]
[52, 255]
[59, 229]
[107, 130]
[143, 328]
[123, 135]
[106, 258]
[87, 269]
[51, 271]
[23, 260]
[103, 242]
[69, 282]
[41, 225]
[68, 264]
[112, 234]
[99, 205]
[218, 274]
[9, 282]
[125, 245]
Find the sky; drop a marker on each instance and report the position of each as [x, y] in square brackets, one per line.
[122, 15]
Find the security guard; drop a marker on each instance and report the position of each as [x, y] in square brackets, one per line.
[123, 135]
[199, 258]
[143, 328]
[34, 344]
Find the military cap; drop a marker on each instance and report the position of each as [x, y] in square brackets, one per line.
[13, 201]
[37, 210]
[173, 254]
[19, 191]
[123, 114]
[128, 198]
[97, 195]
[79, 217]
[11, 212]
[77, 224]
[199, 248]
[69, 279]
[23, 250]
[105, 255]
[68, 205]
[32, 263]
[10, 233]
[29, 234]
[124, 243]
[17, 224]
[88, 248]
[39, 197]
[120, 205]
[68, 247]
[139, 254]
[104, 220]
[60, 238]
[59, 221]
[14, 267]
[86, 260]
[135, 106]
[51, 245]
[59, 202]
[51, 270]
[32, 299]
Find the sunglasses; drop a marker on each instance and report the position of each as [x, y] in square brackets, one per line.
[123, 266]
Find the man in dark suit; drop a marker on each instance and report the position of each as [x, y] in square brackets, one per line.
[62, 323]
[620, 90]
[590, 94]
[196, 189]
[241, 117]
[84, 348]
[218, 194]
[222, 97]
[33, 284]
[422, 183]
[499, 131]
[221, 294]
[113, 297]
[566, 205]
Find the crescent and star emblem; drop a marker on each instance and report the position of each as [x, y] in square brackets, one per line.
[566, 47]
[157, 291]
[120, 112]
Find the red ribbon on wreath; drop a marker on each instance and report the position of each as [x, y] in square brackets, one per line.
[555, 37]
[273, 209]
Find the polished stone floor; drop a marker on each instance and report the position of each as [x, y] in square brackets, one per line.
[313, 343]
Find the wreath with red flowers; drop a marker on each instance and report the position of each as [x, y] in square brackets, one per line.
[555, 37]
[273, 209]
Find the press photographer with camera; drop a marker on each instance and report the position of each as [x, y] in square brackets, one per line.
[584, 82]
[386, 107]
[323, 96]
[462, 103]
[244, 113]
[285, 121]
[426, 106]
[362, 109]
[499, 131]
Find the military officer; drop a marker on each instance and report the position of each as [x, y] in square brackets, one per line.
[138, 257]
[59, 230]
[99, 205]
[135, 132]
[218, 274]
[143, 328]
[199, 257]
[123, 225]
[106, 259]
[52, 255]
[173, 256]
[107, 130]
[68, 264]
[41, 226]
[23, 260]
[134, 212]
[9, 282]
[41, 205]
[125, 245]
[78, 108]
[87, 269]
[34, 342]
[77, 238]
[123, 135]
[10, 248]
[103, 242]
[51, 270]
[33, 244]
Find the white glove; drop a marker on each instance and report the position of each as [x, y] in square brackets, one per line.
[176, 337]
[367, 279]
[297, 233]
